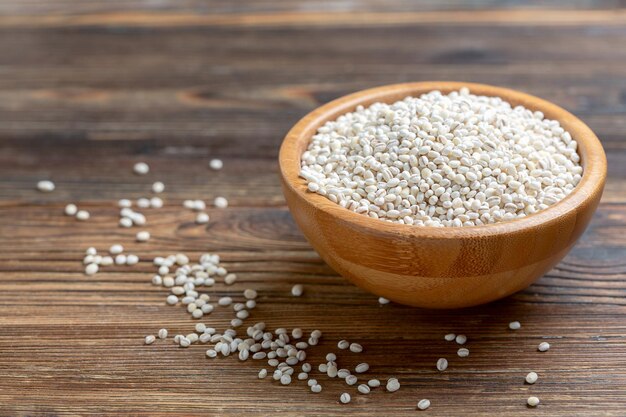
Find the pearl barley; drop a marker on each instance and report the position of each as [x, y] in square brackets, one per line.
[141, 168]
[220, 202]
[45, 186]
[442, 160]
[423, 404]
[216, 164]
[543, 347]
[297, 290]
[70, 210]
[143, 236]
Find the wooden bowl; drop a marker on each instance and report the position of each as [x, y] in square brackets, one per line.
[447, 267]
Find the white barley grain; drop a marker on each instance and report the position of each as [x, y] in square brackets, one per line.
[361, 368]
[116, 249]
[45, 186]
[202, 218]
[70, 210]
[297, 290]
[156, 202]
[91, 269]
[515, 325]
[393, 385]
[141, 168]
[356, 348]
[142, 236]
[543, 346]
[216, 164]
[364, 389]
[532, 377]
[423, 404]
[158, 187]
[373, 383]
[132, 259]
[126, 222]
[250, 294]
[532, 401]
[383, 301]
[143, 203]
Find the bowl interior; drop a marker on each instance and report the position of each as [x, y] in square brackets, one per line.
[590, 150]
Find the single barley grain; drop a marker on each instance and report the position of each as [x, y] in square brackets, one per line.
[533, 401]
[543, 347]
[70, 210]
[91, 269]
[532, 377]
[392, 385]
[297, 290]
[220, 202]
[116, 249]
[373, 383]
[356, 348]
[141, 168]
[202, 218]
[132, 259]
[45, 186]
[351, 379]
[361, 368]
[364, 389]
[158, 187]
[423, 404]
[143, 236]
[216, 164]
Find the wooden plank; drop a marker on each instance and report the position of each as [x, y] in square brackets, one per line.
[89, 88]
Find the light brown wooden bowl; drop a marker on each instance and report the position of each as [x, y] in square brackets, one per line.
[441, 267]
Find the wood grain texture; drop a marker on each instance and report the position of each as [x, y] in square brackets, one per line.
[81, 103]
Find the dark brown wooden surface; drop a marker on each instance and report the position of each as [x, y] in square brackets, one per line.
[87, 88]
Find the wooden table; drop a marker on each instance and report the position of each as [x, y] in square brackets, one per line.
[89, 88]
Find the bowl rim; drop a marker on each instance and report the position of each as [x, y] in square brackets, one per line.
[590, 149]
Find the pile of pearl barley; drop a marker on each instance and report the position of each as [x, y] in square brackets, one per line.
[284, 351]
[442, 160]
